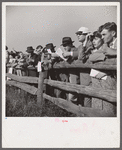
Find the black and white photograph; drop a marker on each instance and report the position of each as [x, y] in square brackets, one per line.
[60, 74]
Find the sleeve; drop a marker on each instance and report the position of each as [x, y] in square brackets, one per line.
[27, 61]
[25, 64]
[96, 57]
[78, 52]
[75, 53]
[83, 52]
[35, 57]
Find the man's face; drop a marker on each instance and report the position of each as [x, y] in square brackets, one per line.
[21, 54]
[10, 56]
[39, 50]
[67, 48]
[16, 57]
[29, 54]
[107, 35]
[81, 37]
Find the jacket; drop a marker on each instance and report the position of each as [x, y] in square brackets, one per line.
[82, 53]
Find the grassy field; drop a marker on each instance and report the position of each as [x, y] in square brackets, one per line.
[22, 104]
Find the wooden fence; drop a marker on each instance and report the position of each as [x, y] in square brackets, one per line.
[25, 83]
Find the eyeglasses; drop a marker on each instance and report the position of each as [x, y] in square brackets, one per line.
[81, 33]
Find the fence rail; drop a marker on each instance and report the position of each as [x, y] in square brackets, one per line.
[108, 95]
[78, 110]
[28, 88]
[23, 79]
[109, 64]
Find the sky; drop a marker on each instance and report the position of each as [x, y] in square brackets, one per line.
[39, 25]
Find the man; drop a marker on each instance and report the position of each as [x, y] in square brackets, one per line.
[82, 54]
[48, 62]
[38, 52]
[49, 56]
[31, 61]
[51, 47]
[71, 75]
[109, 36]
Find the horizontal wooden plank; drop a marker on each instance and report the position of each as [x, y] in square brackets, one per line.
[108, 95]
[23, 86]
[24, 79]
[79, 110]
[107, 65]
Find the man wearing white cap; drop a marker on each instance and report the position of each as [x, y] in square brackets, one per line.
[86, 46]
[82, 54]
[84, 50]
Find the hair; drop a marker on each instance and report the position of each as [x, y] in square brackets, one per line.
[39, 46]
[20, 52]
[110, 26]
[44, 50]
[100, 28]
[97, 34]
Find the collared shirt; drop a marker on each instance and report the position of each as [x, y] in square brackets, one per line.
[113, 44]
[84, 43]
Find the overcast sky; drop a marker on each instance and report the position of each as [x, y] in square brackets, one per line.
[39, 25]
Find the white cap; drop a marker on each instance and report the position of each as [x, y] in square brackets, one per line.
[83, 30]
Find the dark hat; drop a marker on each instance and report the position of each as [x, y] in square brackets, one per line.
[29, 49]
[12, 53]
[66, 40]
[39, 46]
[50, 46]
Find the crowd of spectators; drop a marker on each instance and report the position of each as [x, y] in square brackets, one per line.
[94, 47]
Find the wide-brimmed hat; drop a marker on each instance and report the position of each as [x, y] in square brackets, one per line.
[50, 46]
[83, 30]
[29, 49]
[66, 41]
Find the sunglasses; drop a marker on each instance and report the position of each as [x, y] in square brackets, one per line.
[81, 33]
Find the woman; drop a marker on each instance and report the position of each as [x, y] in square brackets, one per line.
[11, 65]
[21, 65]
[101, 79]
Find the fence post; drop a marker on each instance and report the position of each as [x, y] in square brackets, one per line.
[40, 87]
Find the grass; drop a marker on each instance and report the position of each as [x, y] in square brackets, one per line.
[22, 104]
